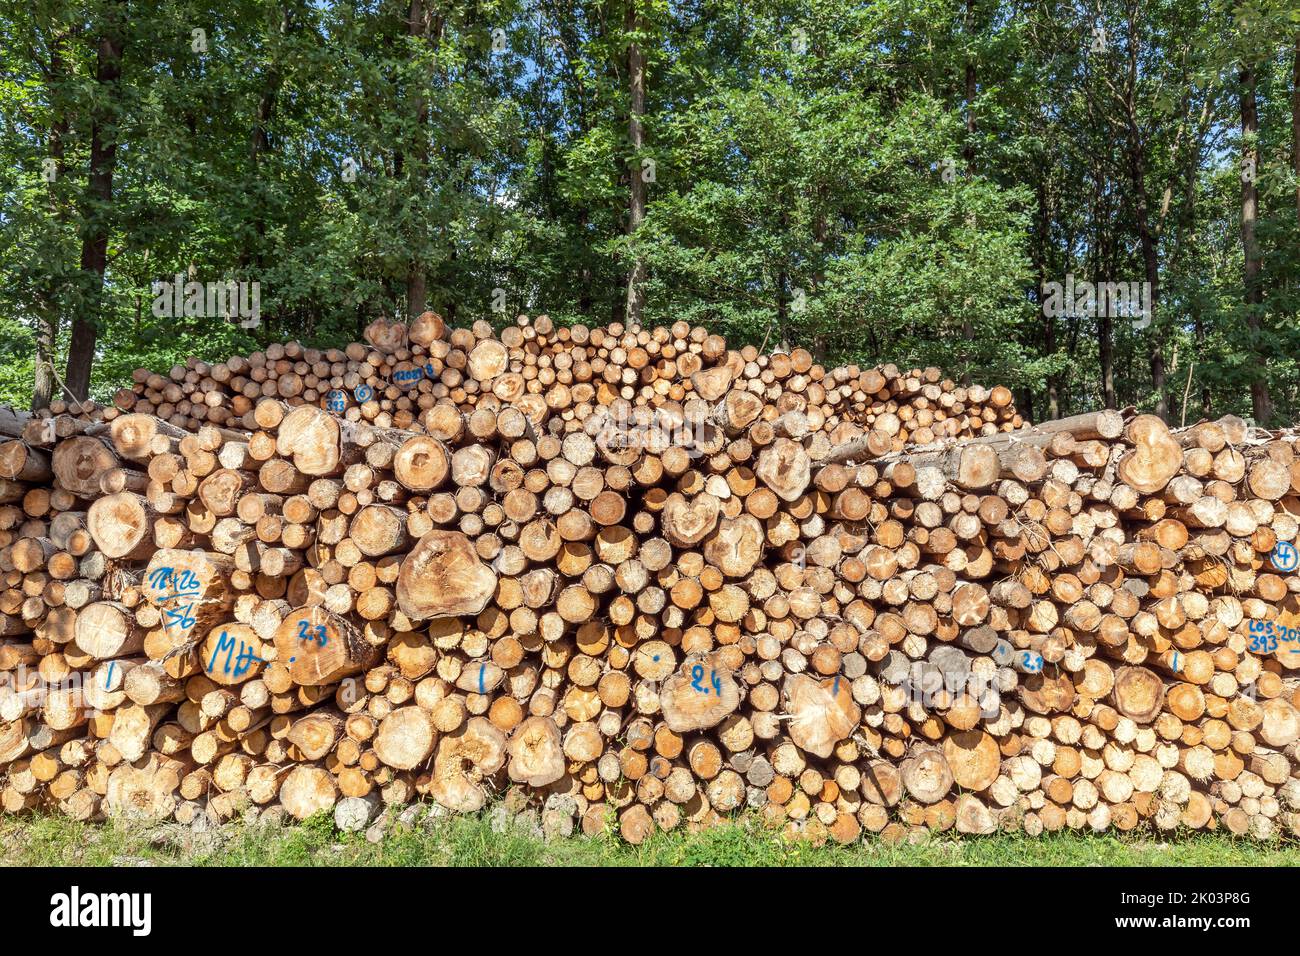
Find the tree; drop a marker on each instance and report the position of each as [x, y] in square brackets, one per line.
[97, 206]
[636, 141]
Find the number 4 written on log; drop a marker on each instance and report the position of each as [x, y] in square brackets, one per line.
[697, 675]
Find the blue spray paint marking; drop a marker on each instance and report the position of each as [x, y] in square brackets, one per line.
[697, 675]
[481, 669]
[1285, 556]
[305, 633]
[109, 676]
[655, 658]
[292, 659]
[1176, 662]
[243, 662]
[836, 691]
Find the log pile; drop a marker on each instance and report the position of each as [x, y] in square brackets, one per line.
[641, 581]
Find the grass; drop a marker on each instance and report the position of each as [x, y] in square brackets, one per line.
[471, 841]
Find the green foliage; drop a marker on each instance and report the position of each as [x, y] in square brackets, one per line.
[819, 179]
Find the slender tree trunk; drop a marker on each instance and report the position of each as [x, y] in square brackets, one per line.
[48, 313]
[586, 277]
[47, 337]
[1106, 357]
[1295, 121]
[1137, 164]
[259, 144]
[967, 326]
[417, 292]
[1106, 254]
[1096, 269]
[1151, 266]
[1040, 274]
[1261, 404]
[96, 213]
[636, 137]
[1198, 326]
[260, 141]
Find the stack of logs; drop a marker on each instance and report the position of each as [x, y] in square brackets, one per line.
[643, 581]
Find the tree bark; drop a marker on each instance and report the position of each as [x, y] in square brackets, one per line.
[1261, 404]
[416, 282]
[95, 214]
[48, 314]
[636, 137]
[260, 141]
[1295, 121]
[968, 151]
[1137, 163]
[1040, 271]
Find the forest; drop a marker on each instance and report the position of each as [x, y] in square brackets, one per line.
[1094, 204]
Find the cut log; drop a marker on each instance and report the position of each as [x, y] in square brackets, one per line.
[464, 759]
[785, 467]
[1156, 456]
[442, 576]
[697, 697]
[311, 438]
[1138, 694]
[307, 791]
[120, 525]
[406, 738]
[822, 713]
[536, 753]
[926, 775]
[318, 647]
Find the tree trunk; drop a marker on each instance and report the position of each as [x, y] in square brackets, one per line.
[1295, 121]
[416, 283]
[260, 142]
[47, 335]
[968, 327]
[1198, 326]
[1261, 404]
[1106, 356]
[637, 192]
[48, 317]
[1137, 164]
[1151, 264]
[1049, 321]
[95, 215]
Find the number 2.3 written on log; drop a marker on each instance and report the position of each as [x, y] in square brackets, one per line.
[307, 633]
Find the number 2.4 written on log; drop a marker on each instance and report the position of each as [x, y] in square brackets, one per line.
[697, 675]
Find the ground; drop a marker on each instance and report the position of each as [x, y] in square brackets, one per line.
[472, 841]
